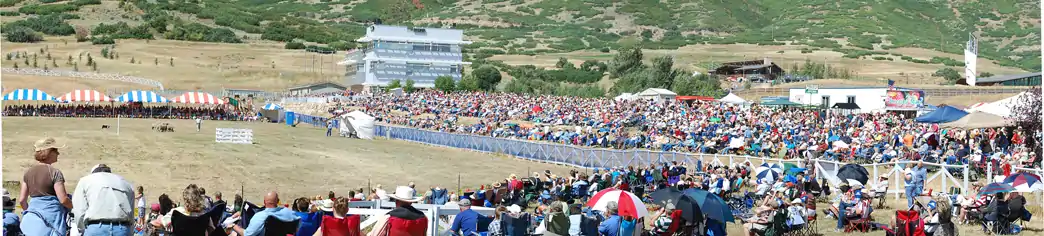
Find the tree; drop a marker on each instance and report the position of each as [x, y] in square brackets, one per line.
[699, 85]
[395, 11]
[393, 85]
[68, 61]
[563, 63]
[949, 74]
[294, 45]
[132, 60]
[409, 86]
[627, 59]
[90, 60]
[663, 72]
[487, 77]
[105, 52]
[445, 83]
[469, 83]
[985, 74]
[1025, 111]
[171, 62]
[94, 66]
[82, 34]
[155, 61]
[589, 65]
[22, 35]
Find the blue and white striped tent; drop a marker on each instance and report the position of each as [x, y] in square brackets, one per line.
[141, 96]
[28, 95]
[272, 106]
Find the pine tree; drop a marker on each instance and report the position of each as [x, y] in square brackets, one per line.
[54, 63]
[155, 61]
[42, 50]
[90, 61]
[26, 61]
[45, 68]
[171, 62]
[16, 66]
[48, 55]
[76, 67]
[34, 61]
[68, 61]
[94, 66]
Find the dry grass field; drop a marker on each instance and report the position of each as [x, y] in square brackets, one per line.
[295, 161]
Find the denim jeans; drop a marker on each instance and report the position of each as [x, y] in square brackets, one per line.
[103, 229]
[912, 191]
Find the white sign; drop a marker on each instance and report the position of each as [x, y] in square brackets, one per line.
[971, 54]
[229, 135]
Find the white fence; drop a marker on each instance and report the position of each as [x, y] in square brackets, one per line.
[83, 75]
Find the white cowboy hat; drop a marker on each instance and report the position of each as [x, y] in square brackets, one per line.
[326, 205]
[514, 209]
[406, 194]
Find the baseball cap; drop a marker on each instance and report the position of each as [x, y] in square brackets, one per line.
[46, 143]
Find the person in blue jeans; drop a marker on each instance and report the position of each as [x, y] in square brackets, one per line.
[842, 216]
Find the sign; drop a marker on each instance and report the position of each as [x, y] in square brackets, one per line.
[812, 89]
[229, 135]
[904, 99]
[971, 54]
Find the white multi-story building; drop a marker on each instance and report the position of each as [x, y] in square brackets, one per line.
[402, 53]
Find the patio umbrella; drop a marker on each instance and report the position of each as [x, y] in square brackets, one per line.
[628, 203]
[1024, 182]
[713, 207]
[994, 188]
[768, 172]
[789, 168]
[853, 172]
[690, 210]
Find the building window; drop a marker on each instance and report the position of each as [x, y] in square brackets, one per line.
[453, 68]
[851, 99]
[826, 102]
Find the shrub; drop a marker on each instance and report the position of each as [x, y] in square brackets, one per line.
[9, 13]
[36, 9]
[294, 45]
[22, 35]
[49, 24]
[102, 40]
[9, 3]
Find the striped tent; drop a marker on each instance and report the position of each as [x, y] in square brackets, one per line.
[28, 95]
[198, 98]
[142, 96]
[85, 95]
[272, 106]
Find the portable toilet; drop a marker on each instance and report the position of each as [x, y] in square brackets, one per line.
[290, 118]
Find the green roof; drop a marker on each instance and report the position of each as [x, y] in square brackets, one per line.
[779, 102]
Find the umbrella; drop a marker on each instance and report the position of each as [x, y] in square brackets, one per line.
[627, 202]
[713, 207]
[1024, 182]
[768, 172]
[689, 208]
[994, 188]
[271, 106]
[853, 171]
[789, 167]
[840, 144]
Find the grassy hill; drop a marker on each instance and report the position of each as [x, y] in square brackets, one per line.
[864, 36]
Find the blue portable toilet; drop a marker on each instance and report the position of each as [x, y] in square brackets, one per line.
[290, 118]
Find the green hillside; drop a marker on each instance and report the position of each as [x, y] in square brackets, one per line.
[1008, 29]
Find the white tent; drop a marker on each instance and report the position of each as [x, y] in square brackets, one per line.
[396, 91]
[624, 97]
[357, 122]
[657, 94]
[732, 99]
[1001, 107]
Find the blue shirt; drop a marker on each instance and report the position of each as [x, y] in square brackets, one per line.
[257, 223]
[10, 219]
[309, 222]
[919, 175]
[466, 223]
[611, 226]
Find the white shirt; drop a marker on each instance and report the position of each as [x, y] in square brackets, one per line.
[198, 121]
[102, 196]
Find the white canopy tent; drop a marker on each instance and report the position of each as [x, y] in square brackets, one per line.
[733, 99]
[657, 94]
[1000, 107]
[357, 122]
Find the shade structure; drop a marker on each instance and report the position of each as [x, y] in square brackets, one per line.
[85, 95]
[28, 95]
[979, 120]
[767, 172]
[198, 98]
[142, 96]
[994, 188]
[271, 106]
[690, 210]
[942, 115]
[853, 172]
[627, 202]
[713, 207]
[1024, 182]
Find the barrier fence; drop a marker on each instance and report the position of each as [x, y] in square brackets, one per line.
[942, 178]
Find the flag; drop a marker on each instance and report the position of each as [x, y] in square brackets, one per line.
[891, 84]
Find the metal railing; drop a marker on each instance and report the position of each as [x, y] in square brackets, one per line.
[932, 92]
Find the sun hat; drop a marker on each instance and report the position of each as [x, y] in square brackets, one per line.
[405, 194]
[46, 143]
[514, 208]
[326, 205]
[796, 201]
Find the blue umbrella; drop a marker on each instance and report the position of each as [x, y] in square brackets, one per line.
[713, 207]
[768, 172]
[994, 188]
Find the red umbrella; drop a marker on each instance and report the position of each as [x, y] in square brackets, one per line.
[537, 108]
[628, 203]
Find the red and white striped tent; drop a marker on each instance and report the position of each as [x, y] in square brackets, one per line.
[627, 202]
[85, 95]
[198, 98]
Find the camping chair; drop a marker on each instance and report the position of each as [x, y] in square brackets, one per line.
[276, 227]
[778, 226]
[995, 218]
[516, 225]
[216, 215]
[181, 224]
[907, 223]
[881, 197]
[249, 210]
[861, 223]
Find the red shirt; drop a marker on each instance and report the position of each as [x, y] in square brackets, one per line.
[347, 226]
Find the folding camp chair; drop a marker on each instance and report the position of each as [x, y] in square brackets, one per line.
[276, 227]
[907, 223]
[181, 224]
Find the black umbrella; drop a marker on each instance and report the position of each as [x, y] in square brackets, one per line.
[690, 209]
[853, 172]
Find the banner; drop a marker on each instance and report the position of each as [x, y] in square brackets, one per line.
[229, 135]
[971, 54]
[904, 99]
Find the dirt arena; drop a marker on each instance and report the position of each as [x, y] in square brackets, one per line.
[295, 161]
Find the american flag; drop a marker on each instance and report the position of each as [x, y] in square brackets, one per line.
[891, 84]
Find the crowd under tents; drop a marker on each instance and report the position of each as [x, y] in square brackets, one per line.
[942, 114]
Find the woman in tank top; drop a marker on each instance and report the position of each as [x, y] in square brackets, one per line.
[44, 187]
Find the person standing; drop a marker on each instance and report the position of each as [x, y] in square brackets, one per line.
[329, 127]
[140, 205]
[102, 203]
[199, 123]
[45, 185]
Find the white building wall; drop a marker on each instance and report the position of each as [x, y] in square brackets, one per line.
[868, 99]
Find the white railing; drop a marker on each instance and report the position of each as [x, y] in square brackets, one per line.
[83, 75]
[440, 217]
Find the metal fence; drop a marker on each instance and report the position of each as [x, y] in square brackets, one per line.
[933, 92]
